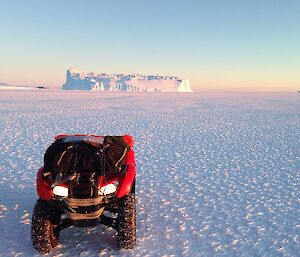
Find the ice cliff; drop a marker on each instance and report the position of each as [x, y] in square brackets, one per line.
[77, 80]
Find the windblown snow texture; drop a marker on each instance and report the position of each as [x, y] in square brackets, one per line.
[77, 80]
[218, 175]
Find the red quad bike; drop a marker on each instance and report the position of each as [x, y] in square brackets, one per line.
[86, 180]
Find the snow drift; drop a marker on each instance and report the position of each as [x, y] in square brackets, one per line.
[77, 80]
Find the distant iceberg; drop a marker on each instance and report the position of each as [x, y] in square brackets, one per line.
[77, 80]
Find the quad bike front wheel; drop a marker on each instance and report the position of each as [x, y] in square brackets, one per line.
[45, 226]
[127, 221]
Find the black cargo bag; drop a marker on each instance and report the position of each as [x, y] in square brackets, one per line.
[67, 159]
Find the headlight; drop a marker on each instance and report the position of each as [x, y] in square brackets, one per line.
[60, 191]
[108, 189]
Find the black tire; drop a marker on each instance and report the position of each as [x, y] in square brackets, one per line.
[45, 226]
[127, 221]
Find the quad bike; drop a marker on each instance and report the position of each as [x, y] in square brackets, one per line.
[86, 180]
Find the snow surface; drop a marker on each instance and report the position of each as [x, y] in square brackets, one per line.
[218, 175]
[78, 80]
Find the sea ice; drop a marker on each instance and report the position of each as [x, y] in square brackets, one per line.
[217, 175]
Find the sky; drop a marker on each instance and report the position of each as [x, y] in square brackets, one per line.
[230, 45]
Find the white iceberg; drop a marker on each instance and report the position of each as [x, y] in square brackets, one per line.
[77, 80]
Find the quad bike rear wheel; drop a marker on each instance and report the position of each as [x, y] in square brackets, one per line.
[127, 221]
[45, 226]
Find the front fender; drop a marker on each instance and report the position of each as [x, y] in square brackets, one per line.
[43, 188]
[127, 179]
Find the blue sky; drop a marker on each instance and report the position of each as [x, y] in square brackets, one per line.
[218, 45]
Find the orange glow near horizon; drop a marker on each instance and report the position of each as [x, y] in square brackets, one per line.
[202, 84]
